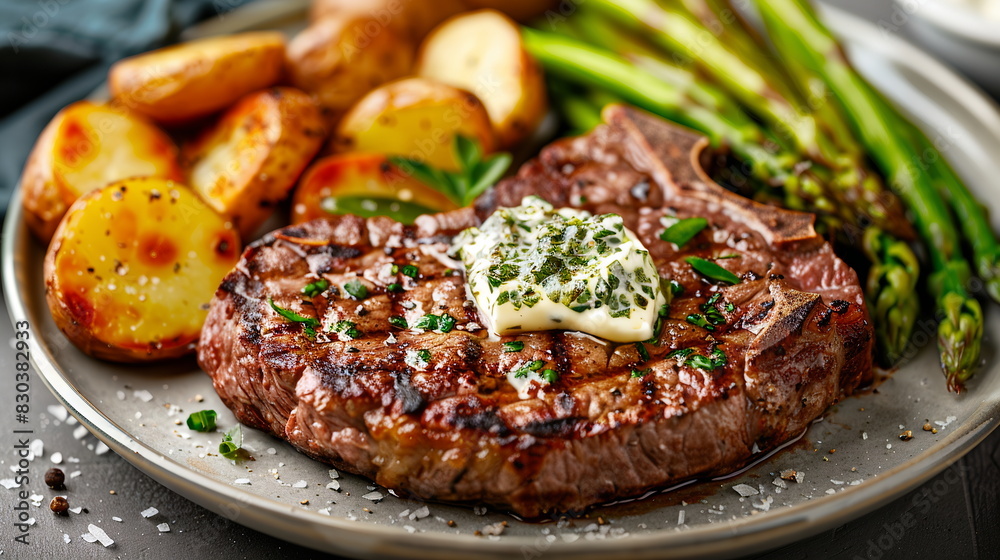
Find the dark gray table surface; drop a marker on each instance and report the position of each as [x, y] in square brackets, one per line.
[963, 520]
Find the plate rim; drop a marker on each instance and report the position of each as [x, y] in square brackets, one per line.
[286, 521]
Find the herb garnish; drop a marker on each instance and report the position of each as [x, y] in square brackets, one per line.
[202, 421]
[309, 324]
[699, 320]
[712, 271]
[641, 372]
[513, 346]
[476, 174]
[683, 231]
[356, 289]
[441, 323]
[418, 358]
[398, 322]
[715, 359]
[347, 328]
[316, 288]
[550, 375]
[643, 353]
[410, 270]
[531, 366]
[232, 443]
[394, 287]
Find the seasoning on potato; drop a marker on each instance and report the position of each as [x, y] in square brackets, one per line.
[364, 185]
[86, 146]
[247, 162]
[340, 58]
[415, 118]
[482, 52]
[194, 79]
[132, 267]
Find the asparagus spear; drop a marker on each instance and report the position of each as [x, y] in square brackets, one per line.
[799, 35]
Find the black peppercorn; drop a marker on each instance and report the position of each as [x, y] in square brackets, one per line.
[55, 478]
[59, 505]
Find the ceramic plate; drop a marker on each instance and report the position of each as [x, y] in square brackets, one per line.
[849, 462]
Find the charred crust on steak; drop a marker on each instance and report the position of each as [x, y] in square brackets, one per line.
[796, 339]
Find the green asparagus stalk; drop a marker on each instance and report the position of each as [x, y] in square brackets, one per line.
[799, 35]
[891, 291]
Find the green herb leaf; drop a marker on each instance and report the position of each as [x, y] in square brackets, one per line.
[712, 271]
[513, 346]
[462, 187]
[309, 324]
[347, 328]
[232, 443]
[316, 288]
[427, 322]
[370, 206]
[641, 372]
[683, 231]
[681, 354]
[394, 287]
[643, 353]
[699, 320]
[700, 362]
[446, 323]
[356, 289]
[398, 322]
[530, 367]
[202, 421]
[676, 288]
[424, 355]
[410, 270]
[550, 375]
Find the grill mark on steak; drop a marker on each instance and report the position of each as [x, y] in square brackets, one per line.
[453, 428]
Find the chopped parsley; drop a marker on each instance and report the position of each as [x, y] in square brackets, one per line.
[418, 358]
[550, 375]
[410, 270]
[394, 287]
[641, 372]
[530, 367]
[309, 324]
[394, 268]
[398, 322]
[441, 323]
[683, 231]
[676, 288]
[476, 173]
[347, 328]
[699, 320]
[316, 288]
[715, 359]
[424, 355]
[202, 421]
[712, 271]
[356, 289]
[729, 307]
[513, 346]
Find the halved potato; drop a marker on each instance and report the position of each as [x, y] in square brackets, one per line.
[482, 52]
[415, 118]
[363, 184]
[341, 58]
[182, 82]
[84, 147]
[133, 266]
[247, 162]
[414, 17]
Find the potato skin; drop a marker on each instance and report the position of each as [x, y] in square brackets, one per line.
[358, 174]
[181, 82]
[132, 267]
[86, 146]
[248, 161]
[482, 52]
[415, 118]
[340, 58]
[413, 17]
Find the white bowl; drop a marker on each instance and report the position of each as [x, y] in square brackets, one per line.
[959, 34]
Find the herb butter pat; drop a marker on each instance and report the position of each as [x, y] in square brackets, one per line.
[533, 268]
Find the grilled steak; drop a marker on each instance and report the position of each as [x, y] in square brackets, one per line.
[432, 414]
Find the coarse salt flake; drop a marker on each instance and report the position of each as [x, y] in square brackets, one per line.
[143, 395]
[242, 481]
[300, 484]
[149, 512]
[163, 528]
[56, 458]
[374, 496]
[58, 412]
[100, 535]
[745, 490]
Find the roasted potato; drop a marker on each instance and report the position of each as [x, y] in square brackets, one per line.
[364, 184]
[248, 161]
[339, 59]
[132, 267]
[415, 118]
[182, 82]
[84, 147]
[414, 17]
[482, 52]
